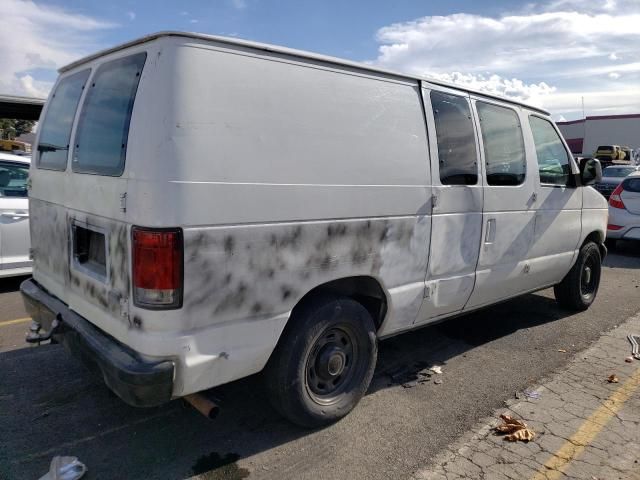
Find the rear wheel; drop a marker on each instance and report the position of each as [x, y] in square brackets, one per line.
[324, 361]
[578, 289]
[611, 243]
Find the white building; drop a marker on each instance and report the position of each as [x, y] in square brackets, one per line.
[584, 136]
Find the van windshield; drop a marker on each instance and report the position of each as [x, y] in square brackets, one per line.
[103, 128]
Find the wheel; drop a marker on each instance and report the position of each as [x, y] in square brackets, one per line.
[324, 361]
[578, 289]
[611, 243]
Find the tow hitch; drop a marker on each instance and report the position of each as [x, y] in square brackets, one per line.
[35, 336]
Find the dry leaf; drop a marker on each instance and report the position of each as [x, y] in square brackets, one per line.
[515, 429]
[613, 378]
[509, 420]
[524, 434]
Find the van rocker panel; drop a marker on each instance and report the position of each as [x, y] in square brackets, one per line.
[139, 382]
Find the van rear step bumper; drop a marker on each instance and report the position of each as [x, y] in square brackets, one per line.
[138, 382]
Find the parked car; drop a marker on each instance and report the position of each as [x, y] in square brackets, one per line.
[612, 176]
[624, 211]
[14, 215]
[227, 207]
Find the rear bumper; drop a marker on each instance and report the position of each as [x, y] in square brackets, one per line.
[629, 222]
[138, 381]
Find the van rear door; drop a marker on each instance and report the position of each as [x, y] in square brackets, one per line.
[80, 235]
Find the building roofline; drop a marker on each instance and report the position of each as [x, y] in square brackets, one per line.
[601, 117]
[294, 52]
[22, 100]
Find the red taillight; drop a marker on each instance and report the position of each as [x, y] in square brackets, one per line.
[157, 267]
[615, 200]
[610, 226]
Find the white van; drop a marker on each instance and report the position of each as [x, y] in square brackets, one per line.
[205, 208]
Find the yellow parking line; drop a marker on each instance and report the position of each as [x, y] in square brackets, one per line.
[13, 322]
[573, 447]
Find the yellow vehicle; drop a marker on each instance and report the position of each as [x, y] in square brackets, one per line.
[626, 153]
[15, 146]
[607, 154]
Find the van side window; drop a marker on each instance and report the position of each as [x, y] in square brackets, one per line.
[103, 127]
[503, 144]
[553, 159]
[456, 141]
[53, 145]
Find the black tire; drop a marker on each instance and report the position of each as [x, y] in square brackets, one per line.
[324, 361]
[611, 243]
[579, 288]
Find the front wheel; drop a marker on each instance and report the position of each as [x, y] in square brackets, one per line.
[578, 289]
[324, 361]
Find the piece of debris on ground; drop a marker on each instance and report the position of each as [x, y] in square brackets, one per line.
[514, 430]
[613, 378]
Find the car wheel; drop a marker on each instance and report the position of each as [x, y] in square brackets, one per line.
[578, 289]
[324, 362]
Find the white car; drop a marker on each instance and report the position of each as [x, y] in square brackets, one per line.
[14, 215]
[624, 211]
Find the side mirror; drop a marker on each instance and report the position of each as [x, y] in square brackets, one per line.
[590, 171]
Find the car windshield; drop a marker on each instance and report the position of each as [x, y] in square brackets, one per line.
[605, 148]
[13, 179]
[617, 171]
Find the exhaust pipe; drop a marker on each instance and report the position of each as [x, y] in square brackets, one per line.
[202, 404]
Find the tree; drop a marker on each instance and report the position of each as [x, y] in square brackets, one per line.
[12, 128]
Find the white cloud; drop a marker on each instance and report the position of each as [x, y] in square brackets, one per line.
[536, 54]
[239, 4]
[41, 38]
[193, 20]
[614, 75]
[131, 15]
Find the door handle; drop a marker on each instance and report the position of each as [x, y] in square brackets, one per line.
[14, 214]
[490, 234]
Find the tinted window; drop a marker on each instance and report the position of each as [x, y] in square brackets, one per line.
[456, 142]
[632, 185]
[553, 159]
[13, 179]
[605, 148]
[503, 145]
[103, 128]
[56, 126]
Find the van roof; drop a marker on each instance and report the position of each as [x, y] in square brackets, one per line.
[289, 51]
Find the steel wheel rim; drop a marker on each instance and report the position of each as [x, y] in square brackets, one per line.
[589, 277]
[331, 364]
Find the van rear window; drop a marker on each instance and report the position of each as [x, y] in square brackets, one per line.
[53, 145]
[103, 128]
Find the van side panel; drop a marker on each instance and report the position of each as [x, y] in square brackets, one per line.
[284, 175]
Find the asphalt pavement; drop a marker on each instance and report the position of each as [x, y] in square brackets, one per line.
[49, 404]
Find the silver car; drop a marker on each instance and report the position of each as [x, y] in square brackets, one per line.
[612, 176]
[14, 216]
[624, 210]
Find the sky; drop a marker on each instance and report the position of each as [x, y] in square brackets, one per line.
[552, 53]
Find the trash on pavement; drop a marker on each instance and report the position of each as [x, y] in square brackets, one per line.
[635, 346]
[514, 429]
[613, 378]
[65, 468]
[437, 381]
[436, 369]
[562, 350]
[628, 359]
[532, 394]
